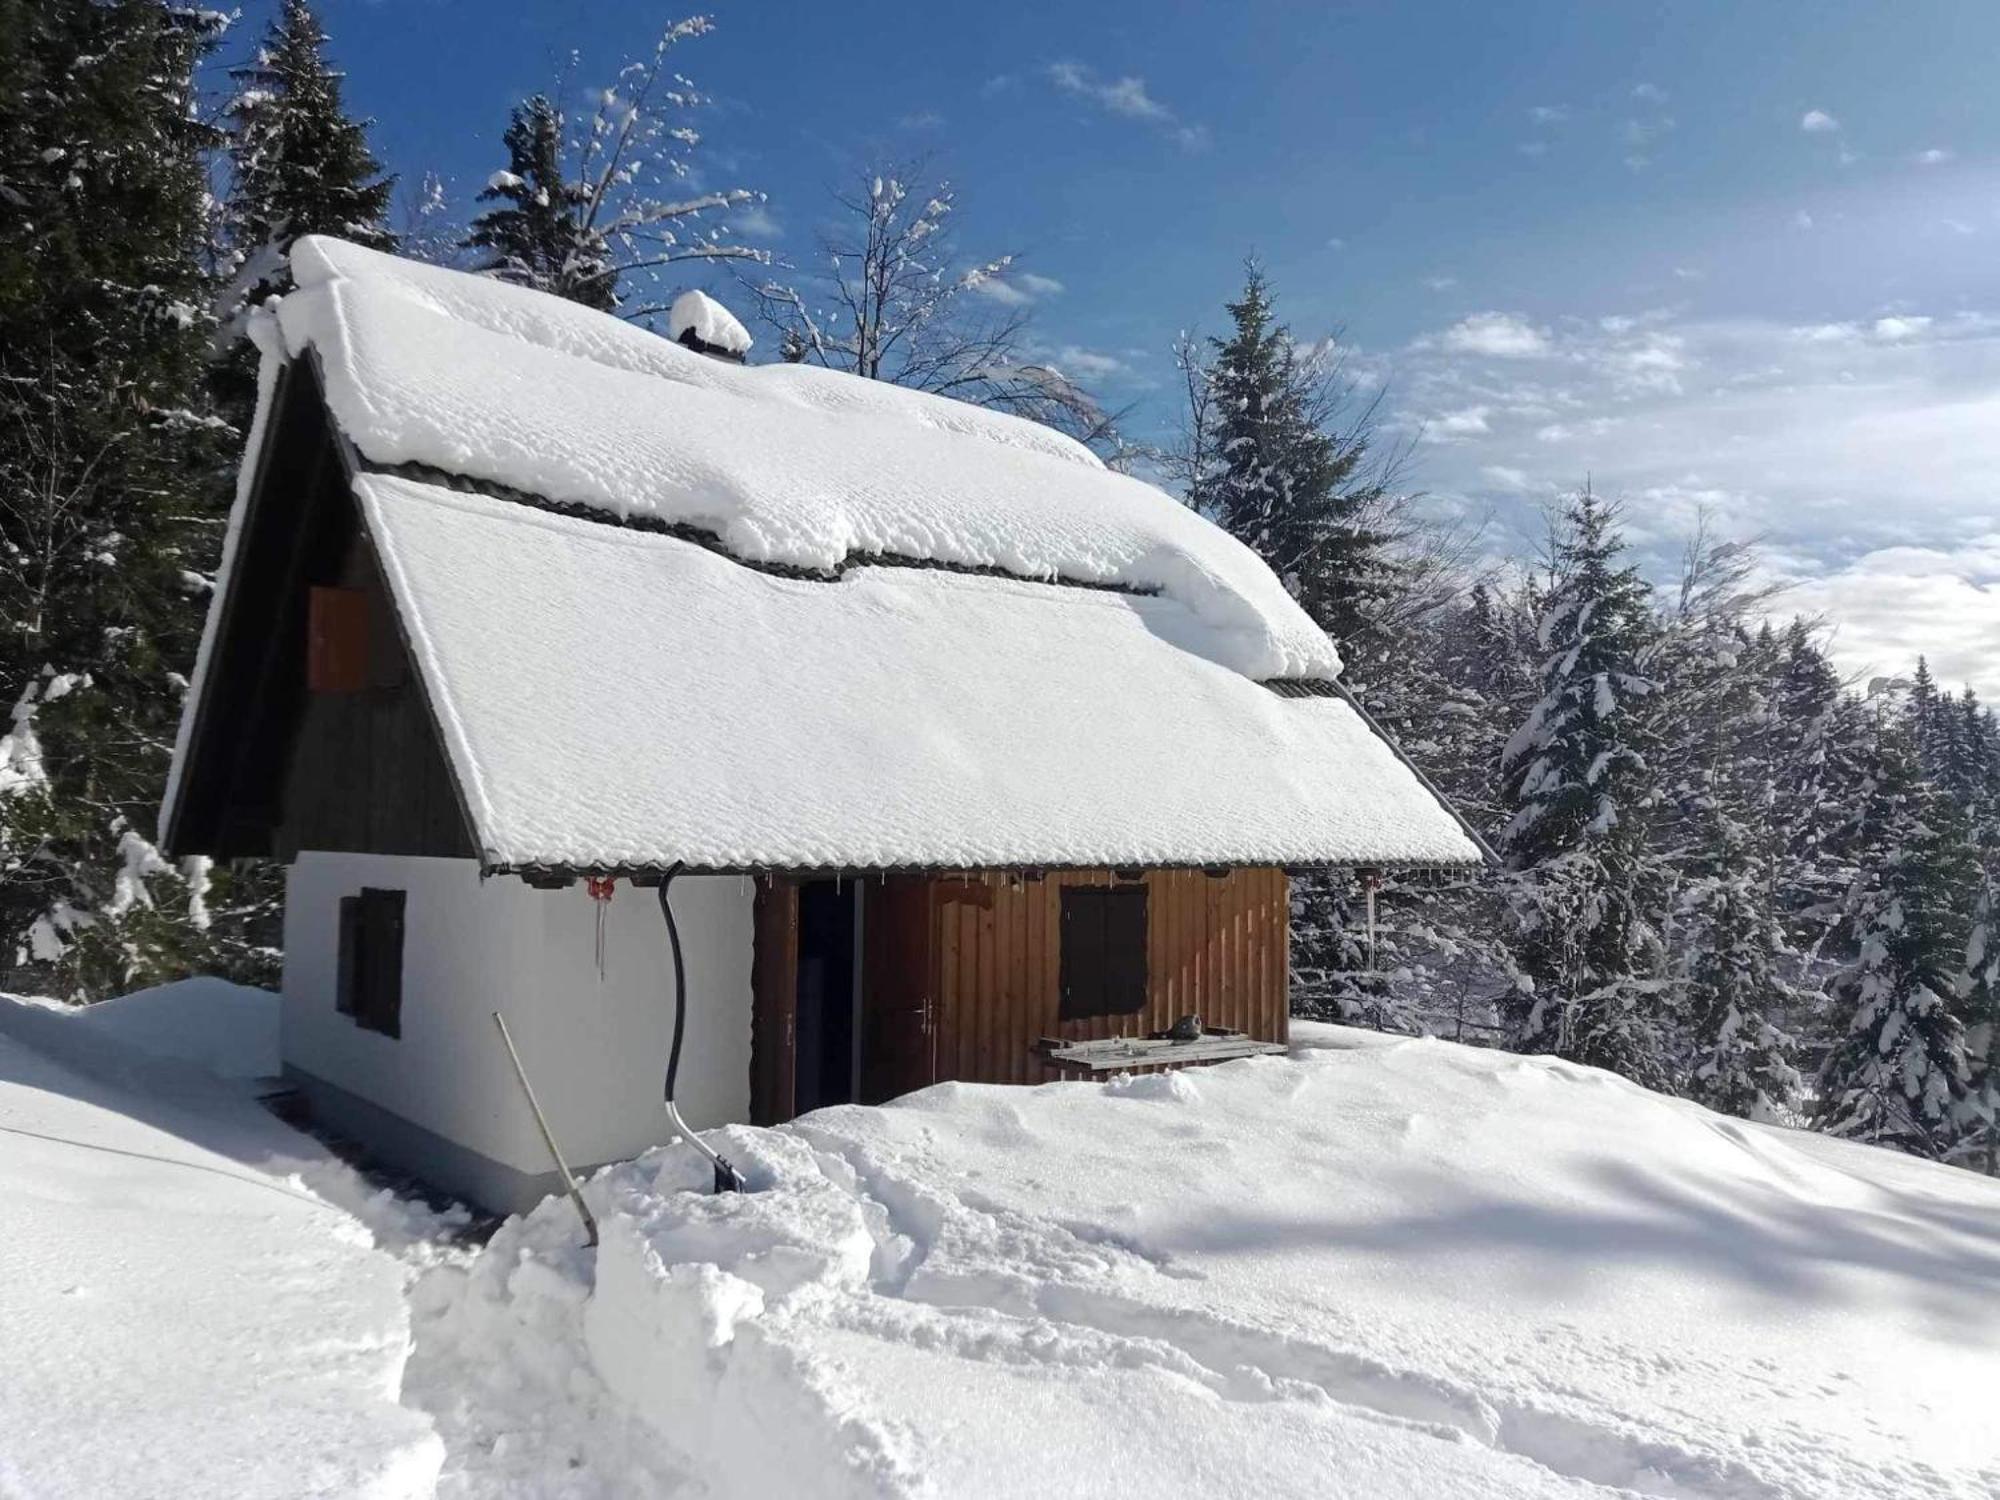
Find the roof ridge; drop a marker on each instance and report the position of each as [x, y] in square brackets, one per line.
[713, 541]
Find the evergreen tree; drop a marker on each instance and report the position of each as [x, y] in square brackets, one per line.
[584, 218]
[536, 233]
[1896, 1073]
[298, 164]
[110, 517]
[1268, 462]
[1585, 889]
[1822, 744]
[1723, 845]
[1977, 1126]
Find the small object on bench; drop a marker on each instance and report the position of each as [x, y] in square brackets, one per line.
[1116, 1054]
[1186, 1029]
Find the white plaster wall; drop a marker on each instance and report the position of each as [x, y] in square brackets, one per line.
[595, 1051]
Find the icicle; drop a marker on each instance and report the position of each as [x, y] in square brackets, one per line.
[600, 888]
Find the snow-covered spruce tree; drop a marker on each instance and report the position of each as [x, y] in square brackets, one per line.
[536, 233]
[1896, 1073]
[893, 299]
[1716, 758]
[1278, 452]
[298, 165]
[598, 218]
[1976, 1129]
[1585, 889]
[1822, 746]
[110, 514]
[1459, 677]
[1280, 455]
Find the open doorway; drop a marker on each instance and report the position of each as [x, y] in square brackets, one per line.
[827, 1060]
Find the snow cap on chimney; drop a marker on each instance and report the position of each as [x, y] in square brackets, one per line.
[707, 327]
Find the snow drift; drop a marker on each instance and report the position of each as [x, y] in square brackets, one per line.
[1372, 1269]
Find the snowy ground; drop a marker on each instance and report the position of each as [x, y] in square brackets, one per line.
[1380, 1267]
[192, 1297]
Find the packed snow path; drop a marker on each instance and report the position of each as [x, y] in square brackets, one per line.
[183, 1310]
[1373, 1269]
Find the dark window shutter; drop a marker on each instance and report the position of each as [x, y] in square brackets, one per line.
[371, 960]
[1103, 951]
[336, 640]
[1082, 952]
[1125, 951]
[347, 987]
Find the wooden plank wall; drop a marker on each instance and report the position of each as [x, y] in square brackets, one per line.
[1217, 947]
[366, 772]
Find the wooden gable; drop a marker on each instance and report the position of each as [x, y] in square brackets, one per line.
[312, 730]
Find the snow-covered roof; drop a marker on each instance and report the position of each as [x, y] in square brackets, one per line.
[709, 321]
[668, 703]
[614, 695]
[784, 463]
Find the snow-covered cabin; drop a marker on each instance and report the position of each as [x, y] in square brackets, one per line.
[971, 749]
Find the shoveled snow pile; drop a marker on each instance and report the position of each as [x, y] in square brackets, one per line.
[785, 463]
[194, 1300]
[1375, 1268]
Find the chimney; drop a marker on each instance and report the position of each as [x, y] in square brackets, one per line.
[704, 325]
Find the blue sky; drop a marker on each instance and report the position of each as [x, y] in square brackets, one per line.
[1734, 260]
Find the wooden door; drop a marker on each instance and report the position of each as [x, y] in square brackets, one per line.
[774, 988]
[899, 1002]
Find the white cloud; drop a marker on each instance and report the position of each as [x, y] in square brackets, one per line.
[1935, 156]
[1498, 334]
[1440, 283]
[1818, 122]
[1900, 327]
[757, 221]
[1549, 114]
[1802, 220]
[1336, 243]
[1091, 364]
[925, 119]
[1016, 288]
[1456, 424]
[1865, 451]
[1651, 93]
[1127, 97]
[1891, 605]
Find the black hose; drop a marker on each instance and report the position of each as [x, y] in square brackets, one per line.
[680, 979]
[727, 1178]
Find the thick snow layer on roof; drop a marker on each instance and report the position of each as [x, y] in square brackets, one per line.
[784, 463]
[613, 696]
[1380, 1269]
[709, 321]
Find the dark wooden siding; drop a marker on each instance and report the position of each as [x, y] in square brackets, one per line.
[366, 773]
[774, 980]
[272, 767]
[962, 973]
[1216, 947]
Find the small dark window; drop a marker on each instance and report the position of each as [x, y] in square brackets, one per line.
[371, 960]
[1103, 951]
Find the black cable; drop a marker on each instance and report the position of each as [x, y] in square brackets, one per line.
[727, 1178]
[680, 980]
